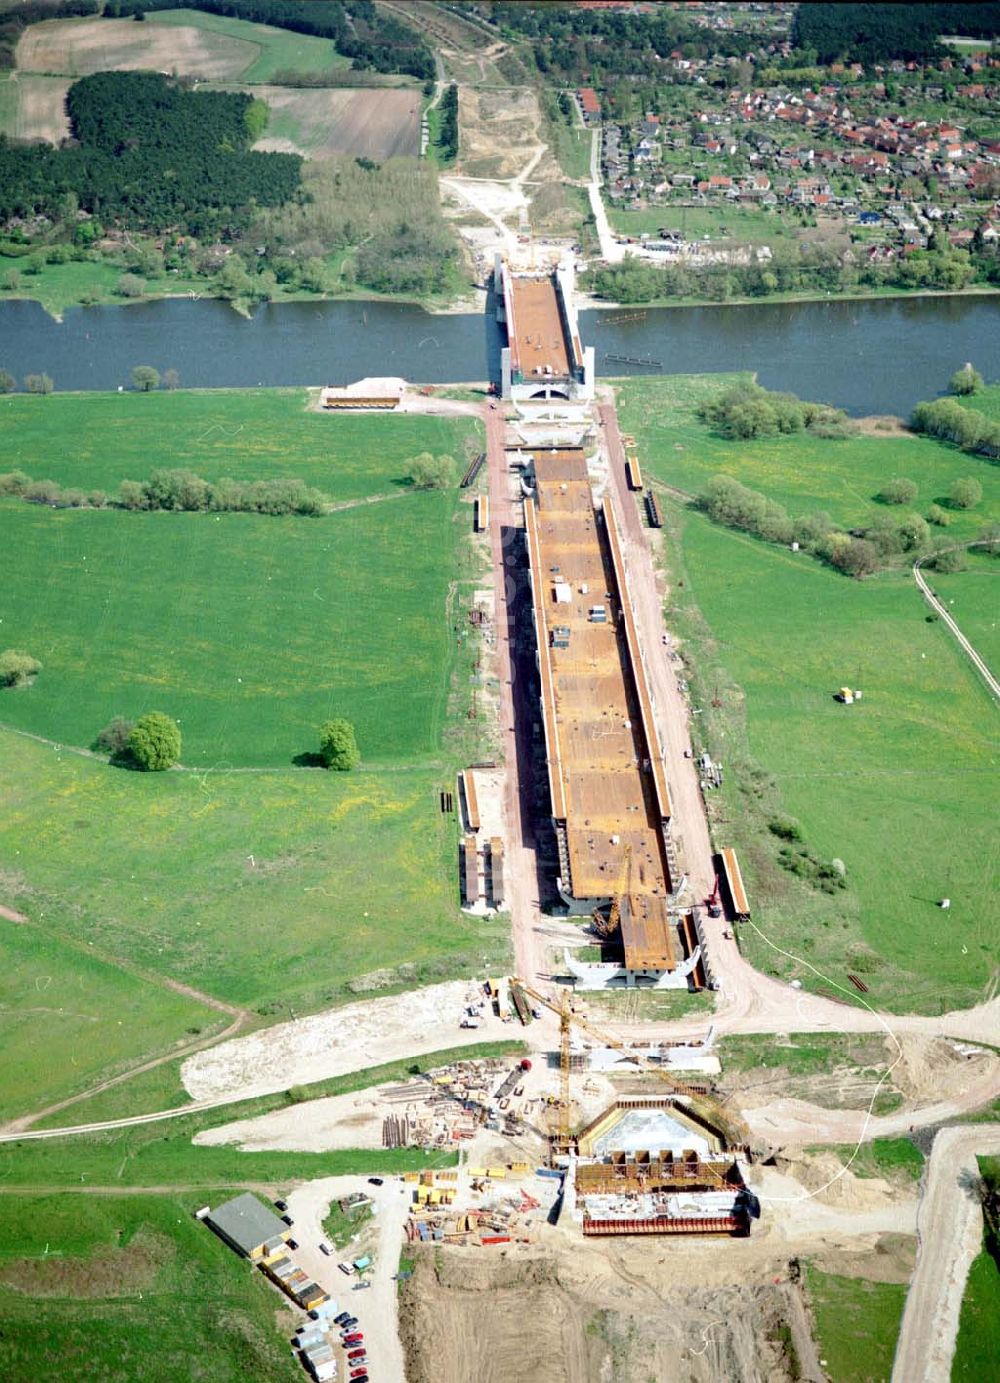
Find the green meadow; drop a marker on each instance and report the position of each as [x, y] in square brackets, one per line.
[67, 1017]
[898, 787]
[857, 1324]
[127, 1288]
[247, 629]
[800, 471]
[979, 1325]
[98, 440]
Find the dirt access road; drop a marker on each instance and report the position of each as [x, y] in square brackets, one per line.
[949, 1233]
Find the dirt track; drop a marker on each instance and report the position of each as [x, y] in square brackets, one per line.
[949, 1228]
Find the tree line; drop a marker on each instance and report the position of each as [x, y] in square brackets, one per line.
[374, 39]
[792, 268]
[176, 491]
[964, 427]
[151, 154]
[448, 137]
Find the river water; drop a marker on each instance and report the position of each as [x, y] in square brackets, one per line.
[876, 356]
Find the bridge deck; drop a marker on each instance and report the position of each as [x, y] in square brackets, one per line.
[599, 760]
[536, 329]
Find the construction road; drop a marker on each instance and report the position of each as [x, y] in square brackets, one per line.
[949, 1235]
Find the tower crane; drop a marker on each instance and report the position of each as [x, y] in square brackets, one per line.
[732, 1127]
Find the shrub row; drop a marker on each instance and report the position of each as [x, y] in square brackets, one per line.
[965, 427]
[858, 553]
[177, 491]
[748, 410]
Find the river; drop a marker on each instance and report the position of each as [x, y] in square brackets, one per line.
[873, 356]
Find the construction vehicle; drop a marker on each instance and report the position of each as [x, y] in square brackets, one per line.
[703, 1106]
[606, 924]
[712, 901]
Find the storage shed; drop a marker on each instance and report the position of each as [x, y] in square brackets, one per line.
[249, 1226]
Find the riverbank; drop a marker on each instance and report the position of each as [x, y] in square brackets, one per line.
[591, 302]
[63, 287]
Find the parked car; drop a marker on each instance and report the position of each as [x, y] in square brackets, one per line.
[281, 1205]
[375, 1181]
[342, 1319]
[293, 1244]
[347, 1268]
[353, 1339]
[360, 1286]
[361, 1376]
[356, 1354]
[349, 1324]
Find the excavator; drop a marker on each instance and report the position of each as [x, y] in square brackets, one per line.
[715, 1114]
[606, 924]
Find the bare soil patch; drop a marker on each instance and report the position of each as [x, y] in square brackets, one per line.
[41, 108]
[330, 122]
[77, 47]
[498, 131]
[332, 1043]
[564, 1318]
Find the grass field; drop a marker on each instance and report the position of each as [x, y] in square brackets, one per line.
[274, 888]
[132, 1288]
[979, 1325]
[97, 440]
[901, 791]
[894, 1159]
[802, 472]
[973, 597]
[269, 890]
[279, 595]
[738, 224]
[857, 1324]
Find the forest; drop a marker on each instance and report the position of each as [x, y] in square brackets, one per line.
[151, 155]
[877, 33]
[578, 46]
[374, 39]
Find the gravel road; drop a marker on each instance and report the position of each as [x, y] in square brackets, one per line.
[949, 1233]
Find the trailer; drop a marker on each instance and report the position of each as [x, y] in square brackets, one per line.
[633, 475]
[471, 800]
[482, 513]
[470, 869]
[496, 871]
[653, 510]
[733, 877]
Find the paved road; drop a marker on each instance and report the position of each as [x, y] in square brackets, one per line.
[949, 1234]
[611, 250]
[530, 928]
